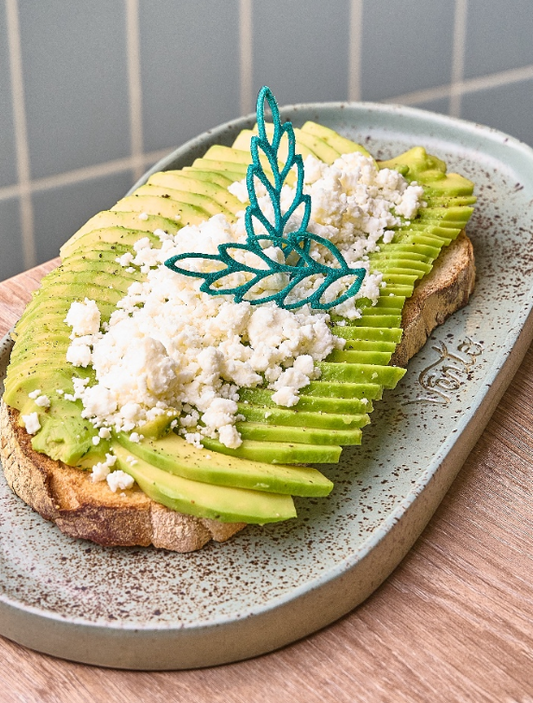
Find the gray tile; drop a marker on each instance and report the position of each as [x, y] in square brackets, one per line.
[76, 83]
[407, 46]
[498, 36]
[508, 108]
[189, 68]
[11, 261]
[59, 212]
[8, 166]
[300, 49]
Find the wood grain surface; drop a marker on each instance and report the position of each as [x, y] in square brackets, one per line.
[452, 623]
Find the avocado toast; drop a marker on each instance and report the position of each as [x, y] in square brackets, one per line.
[211, 492]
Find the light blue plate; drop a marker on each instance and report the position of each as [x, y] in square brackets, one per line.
[149, 609]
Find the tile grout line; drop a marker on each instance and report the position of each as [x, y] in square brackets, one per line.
[355, 38]
[471, 85]
[21, 134]
[86, 173]
[458, 56]
[134, 85]
[245, 56]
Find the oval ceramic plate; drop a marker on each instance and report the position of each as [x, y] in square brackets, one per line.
[149, 609]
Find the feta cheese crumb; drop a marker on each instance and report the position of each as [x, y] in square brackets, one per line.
[84, 318]
[43, 401]
[31, 423]
[34, 394]
[119, 480]
[101, 470]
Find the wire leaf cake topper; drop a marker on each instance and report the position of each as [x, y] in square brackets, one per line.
[292, 247]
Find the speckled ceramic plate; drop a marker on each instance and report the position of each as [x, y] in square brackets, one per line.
[148, 609]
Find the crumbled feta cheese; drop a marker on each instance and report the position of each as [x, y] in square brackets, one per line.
[119, 480]
[34, 394]
[79, 353]
[101, 470]
[170, 348]
[125, 259]
[31, 423]
[84, 318]
[43, 401]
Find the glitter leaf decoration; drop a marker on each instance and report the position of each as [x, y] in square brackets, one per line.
[292, 247]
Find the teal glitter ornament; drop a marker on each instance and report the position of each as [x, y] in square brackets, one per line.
[293, 247]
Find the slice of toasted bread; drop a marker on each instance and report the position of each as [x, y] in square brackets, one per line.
[445, 289]
[83, 509]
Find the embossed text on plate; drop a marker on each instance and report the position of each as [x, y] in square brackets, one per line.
[449, 372]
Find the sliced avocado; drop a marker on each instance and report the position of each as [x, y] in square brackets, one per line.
[262, 398]
[64, 435]
[317, 146]
[335, 140]
[112, 235]
[386, 376]
[205, 202]
[175, 455]
[307, 144]
[204, 500]
[279, 452]
[294, 435]
[128, 220]
[220, 179]
[186, 182]
[227, 153]
[243, 143]
[183, 213]
[274, 415]
[216, 171]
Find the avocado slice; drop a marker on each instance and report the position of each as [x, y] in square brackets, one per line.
[127, 220]
[183, 213]
[213, 174]
[205, 202]
[181, 182]
[222, 503]
[178, 457]
[220, 179]
[242, 142]
[341, 144]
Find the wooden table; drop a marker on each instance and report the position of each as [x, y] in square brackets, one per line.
[452, 623]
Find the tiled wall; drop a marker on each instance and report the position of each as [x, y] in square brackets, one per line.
[92, 93]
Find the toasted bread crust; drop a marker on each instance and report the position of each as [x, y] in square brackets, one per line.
[83, 509]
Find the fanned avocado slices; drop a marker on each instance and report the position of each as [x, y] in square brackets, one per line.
[254, 482]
